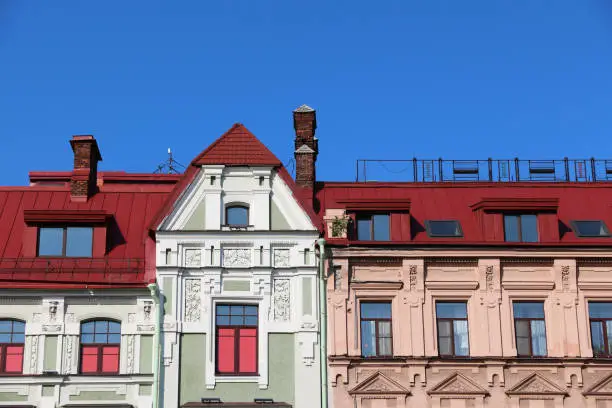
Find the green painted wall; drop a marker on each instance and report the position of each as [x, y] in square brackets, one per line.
[277, 219]
[50, 357]
[281, 369]
[196, 222]
[97, 396]
[145, 390]
[146, 355]
[12, 397]
[236, 286]
[48, 390]
[307, 296]
[168, 292]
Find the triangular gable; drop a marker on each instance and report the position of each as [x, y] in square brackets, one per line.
[457, 383]
[378, 383]
[536, 384]
[602, 387]
[237, 147]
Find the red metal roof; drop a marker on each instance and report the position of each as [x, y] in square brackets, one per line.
[237, 147]
[130, 201]
[463, 202]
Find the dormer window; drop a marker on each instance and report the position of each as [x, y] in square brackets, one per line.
[65, 241]
[237, 215]
[590, 229]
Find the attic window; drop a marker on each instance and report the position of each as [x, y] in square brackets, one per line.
[595, 228]
[65, 241]
[237, 215]
[443, 228]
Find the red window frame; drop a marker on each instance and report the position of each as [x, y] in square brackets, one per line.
[12, 347]
[97, 351]
[241, 333]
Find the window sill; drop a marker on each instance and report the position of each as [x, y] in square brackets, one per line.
[236, 378]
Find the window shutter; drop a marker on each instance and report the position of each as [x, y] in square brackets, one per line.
[110, 359]
[225, 350]
[248, 351]
[14, 359]
[89, 359]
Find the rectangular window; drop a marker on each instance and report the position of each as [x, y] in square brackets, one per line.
[99, 359]
[530, 329]
[376, 335]
[65, 241]
[373, 227]
[590, 228]
[600, 316]
[443, 228]
[236, 339]
[521, 228]
[452, 329]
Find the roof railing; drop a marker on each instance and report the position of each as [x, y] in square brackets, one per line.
[489, 170]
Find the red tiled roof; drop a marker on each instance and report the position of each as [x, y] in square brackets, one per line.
[237, 147]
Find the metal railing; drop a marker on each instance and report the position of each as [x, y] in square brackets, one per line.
[72, 270]
[490, 170]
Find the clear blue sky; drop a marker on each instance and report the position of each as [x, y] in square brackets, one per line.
[389, 79]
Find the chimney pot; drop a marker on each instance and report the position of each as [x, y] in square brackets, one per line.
[306, 146]
[83, 181]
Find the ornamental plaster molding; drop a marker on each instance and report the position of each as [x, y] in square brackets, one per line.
[236, 257]
[34, 354]
[282, 258]
[193, 257]
[130, 353]
[193, 300]
[282, 300]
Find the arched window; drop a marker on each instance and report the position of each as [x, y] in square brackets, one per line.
[100, 344]
[237, 215]
[12, 338]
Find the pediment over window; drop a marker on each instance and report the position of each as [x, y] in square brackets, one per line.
[516, 204]
[378, 383]
[601, 388]
[536, 384]
[457, 384]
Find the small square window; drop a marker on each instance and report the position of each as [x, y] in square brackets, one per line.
[443, 228]
[373, 227]
[595, 228]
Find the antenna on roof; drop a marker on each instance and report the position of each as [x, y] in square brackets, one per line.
[170, 166]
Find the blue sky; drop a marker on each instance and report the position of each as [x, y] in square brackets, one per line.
[389, 79]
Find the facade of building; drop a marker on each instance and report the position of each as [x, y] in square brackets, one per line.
[470, 293]
[77, 320]
[236, 264]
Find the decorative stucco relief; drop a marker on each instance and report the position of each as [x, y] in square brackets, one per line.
[193, 300]
[490, 284]
[281, 258]
[565, 272]
[282, 300]
[130, 354]
[69, 346]
[33, 354]
[413, 277]
[193, 257]
[236, 257]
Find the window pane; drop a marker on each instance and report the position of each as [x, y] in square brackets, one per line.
[364, 232]
[6, 326]
[377, 310]
[381, 227]
[609, 335]
[590, 228]
[597, 338]
[533, 310]
[18, 338]
[101, 338]
[101, 326]
[50, 241]
[79, 241]
[223, 310]
[444, 228]
[444, 328]
[5, 337]
[89, 359]
[14, 359]
[87, 338]
[237, 216]
[250, 310]
[600, 310]
[18, 327]
[368, 338]
[114, 327]
[236, 320]
[529, 228]
[87, 327]
[250, 320]
[114, 338]
[225, 351]
[110, 359]
[538, 337]
[462, 347]
[522, 328]
[384, 346]
[248, 351]
[451, 310]
[236, 310]
[444, 345]
[384, 329]
[523, 346]
[511, 228]
[223, 320]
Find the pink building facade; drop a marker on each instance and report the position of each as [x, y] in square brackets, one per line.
[453, 295]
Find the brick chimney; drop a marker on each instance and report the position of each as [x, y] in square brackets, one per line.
[85, 172]
[306, 146]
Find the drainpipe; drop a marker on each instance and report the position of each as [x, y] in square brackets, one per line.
[323, 321]
[154, 289]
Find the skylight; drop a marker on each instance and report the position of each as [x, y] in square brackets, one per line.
[592, 228]
[443, 228]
